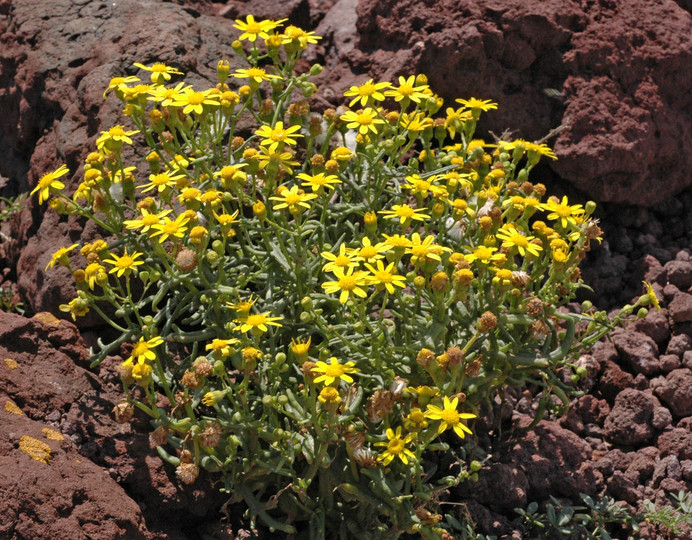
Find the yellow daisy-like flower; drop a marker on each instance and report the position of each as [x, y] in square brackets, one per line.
[166, 96]
[348, 283]
[142, 351]
[334, 372]
[147, 221]
[300, 348]
[297, 37]
[478, 104]
[114, 138]
[423, 250]
[405, 213]
[449, 417]
[284, 160]
[396, 447]
[652, 298]
[160, 182]
[385, 278]
[366, 93]
[424, 187]
[318, 182]
[397, 241]
[60, 256]
[293, 199]
[222, 347]
[416, 122]
[369, 253]
[192, 101]
[415, 420]
[407, 90]
[562, 211]
[125, 263]
[253, 29]
[160, 73]
[117, 82]
[346, 258]
[243, 307]
[512, 238]
[256, 75]
[364, 121]
[49, 183]
[257, 322]
[95, 273]
[77, 307]
[170, 228]
[484, 255]
[276, 136]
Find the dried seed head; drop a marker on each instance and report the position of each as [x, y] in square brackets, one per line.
[398, 386]
[379, 405]
[487, 322]
[211, 436]
[534, 306]
[159, 436]
[123, 412]
[520, 278]
[306, 368]
[186, 456]
[203, 367]
[187, 472]
[473, 368]
[186, 260]
[355, 440]
[456, 357]
[365, 458]
[190, 380]
[539, 330]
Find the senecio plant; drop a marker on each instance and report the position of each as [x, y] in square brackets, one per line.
[320, 306]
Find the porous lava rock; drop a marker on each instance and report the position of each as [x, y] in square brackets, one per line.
[629, 421]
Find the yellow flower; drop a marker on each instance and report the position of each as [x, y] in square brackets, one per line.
[330, 398]
[142, 351]
[253, 29]
[282, 159]
[160, 182]
[170, 228]
[450, 417]
[296, 36]
[60, 256]
[397, 241]
[478, 104]
[256, 75]
[652, 298]
[385, 277]
[405, 214]
[415, 421]
[563, 211]
[341, 153]
[364, 121]
[348, 283]
[345, 259]
[407, 90]
[334, 372]
[117, 82]
[166, 96]
[293, 199]
[300, 347]
[78, 307]
[416, 122]
[114, 138]
[276, 136]
[124, 264]
[257, 322]
[396, 447]
[369, 253]
[221, 347]
[423, 187]
[95, 273]
[318, 182]
[243, 307]
[49, 183]
[368, 92]
[160, 73]
[193, 101]
[511, 237]
[147, 221]
[484, 255]
[423, 250]
[212, 398]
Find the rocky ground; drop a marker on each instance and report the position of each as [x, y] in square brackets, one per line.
[612, 85]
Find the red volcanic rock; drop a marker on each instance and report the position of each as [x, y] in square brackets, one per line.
[675, 390]
[639, 350]
[629, 421]
[616, 74]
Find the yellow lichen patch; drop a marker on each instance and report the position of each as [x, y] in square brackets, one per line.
[52, 434]
[36, 449]
[11, 363]
[47, 318]
[11, 407]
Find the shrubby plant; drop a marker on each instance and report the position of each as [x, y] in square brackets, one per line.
[320, 306]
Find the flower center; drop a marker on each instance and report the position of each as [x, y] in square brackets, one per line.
[140, 349]
[256, 320]
[347, 283]
[404, 211]
[293, 198]
[519, 240]
[364, 119]
[195, 98]
[406, 90]
[450, 417]
[383, 277]
[255, 72]
[396, 446]
[334, 370]
[342, 260]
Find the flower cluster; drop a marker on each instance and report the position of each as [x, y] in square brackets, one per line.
[323, 299]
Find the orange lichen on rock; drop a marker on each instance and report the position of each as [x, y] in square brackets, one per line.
[11, 407]
[47, 318]
[11, 363]
[52, 434]
[36, 449]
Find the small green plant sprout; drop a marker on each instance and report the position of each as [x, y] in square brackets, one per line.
[669, 519]
[317, 305]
